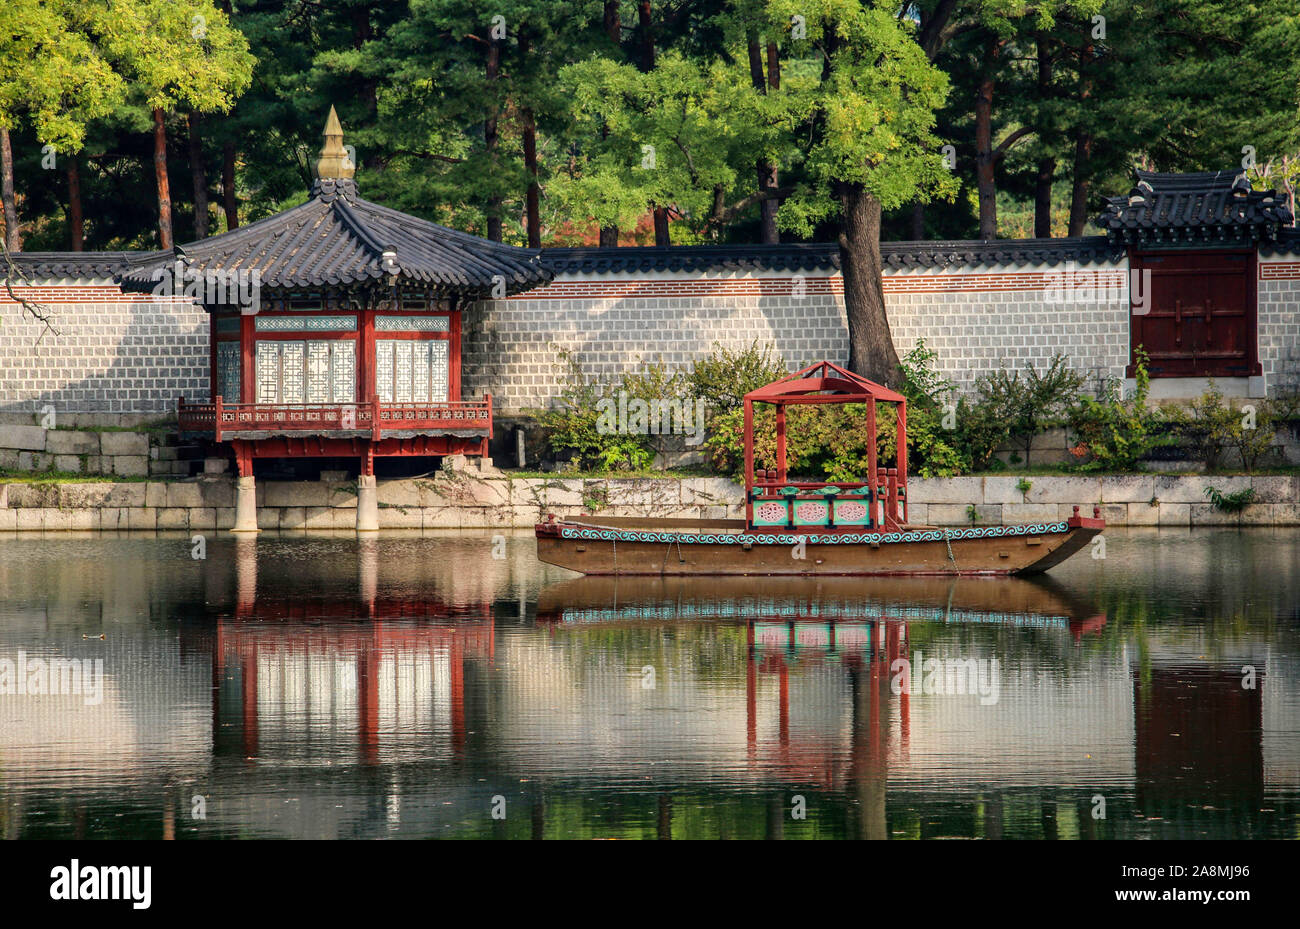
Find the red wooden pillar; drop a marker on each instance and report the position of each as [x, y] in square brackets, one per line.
[872, 483]
[780, 443]
[243, 457]
[453, 353]
[749, 463]
[368, 699]
[248, 367]
[366, 358]
[751, 694]
[902, 455]
[457, 662]
[783, 704]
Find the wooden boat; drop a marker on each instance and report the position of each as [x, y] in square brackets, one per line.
[811, 527]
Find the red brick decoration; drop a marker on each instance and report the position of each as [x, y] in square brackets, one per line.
[1279, 270]
[1109, 279]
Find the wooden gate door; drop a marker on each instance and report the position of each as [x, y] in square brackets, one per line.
[1201, 319]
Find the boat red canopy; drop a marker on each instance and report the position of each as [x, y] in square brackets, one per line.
[771, 500]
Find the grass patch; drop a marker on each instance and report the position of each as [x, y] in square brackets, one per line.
[676, 473]
[69, 477]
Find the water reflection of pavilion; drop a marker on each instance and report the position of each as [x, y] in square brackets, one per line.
[386, 702]
[325, 679]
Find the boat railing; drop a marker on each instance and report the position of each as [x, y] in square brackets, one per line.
[844, 504]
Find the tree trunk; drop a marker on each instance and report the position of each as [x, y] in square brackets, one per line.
[231, 205]
[646, 63]
[13, 241]
[533, 218]
[985, 161]
[1046, 165]
[764, 168]
[76, 220]
[871, 347]
[160, 172]
[662, 237]
[918, 221]
[1082, 151]
[614, 30]
[491, 138]
[647, 38]
[200, 178]
[1043, 198]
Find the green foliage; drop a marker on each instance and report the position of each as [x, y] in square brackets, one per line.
[1116, 433]
[1231, 503]
[723, 379]
[1212, 427]
[574, 424]
[1034, 402]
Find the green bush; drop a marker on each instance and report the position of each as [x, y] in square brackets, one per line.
[573, 426]
[723, 379]
[1027, 405]
[1114, 433]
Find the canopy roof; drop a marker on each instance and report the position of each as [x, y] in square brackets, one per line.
[337, 239]
[1206, 206]
[823, 382]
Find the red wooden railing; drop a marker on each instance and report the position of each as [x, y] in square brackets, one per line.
[227, 420]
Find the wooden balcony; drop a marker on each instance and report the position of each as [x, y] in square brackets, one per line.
[373, 420]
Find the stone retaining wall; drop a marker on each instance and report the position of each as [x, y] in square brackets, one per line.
[459, 500]
[126, 454]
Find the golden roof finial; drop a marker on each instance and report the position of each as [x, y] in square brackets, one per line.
[334, 161]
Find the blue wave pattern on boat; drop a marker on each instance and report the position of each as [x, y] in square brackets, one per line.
[837, 538]
[809, 612]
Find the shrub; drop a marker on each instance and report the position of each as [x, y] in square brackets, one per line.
[723, 379]
[1212, 427]
[1230, 503]
[1034, 402]
[1117, 433]
[573, 424]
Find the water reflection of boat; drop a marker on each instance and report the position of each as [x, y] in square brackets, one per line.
[811, 601]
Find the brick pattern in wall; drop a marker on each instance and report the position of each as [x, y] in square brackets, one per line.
[113, 352]
[511, 347]
[980, 322]
[1278, 299]
[975, 321]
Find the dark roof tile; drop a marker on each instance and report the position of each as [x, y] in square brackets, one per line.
[1203, 207]
[338, 239]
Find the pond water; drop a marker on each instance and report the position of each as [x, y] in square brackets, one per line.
[451, 686]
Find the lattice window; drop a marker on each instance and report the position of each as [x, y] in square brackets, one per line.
[268, 372]
[228, 371]
[291, 371]
[319, 371]
[402, 372]
[440, 372]
[412, 370]
[344, 370]
[384, 370]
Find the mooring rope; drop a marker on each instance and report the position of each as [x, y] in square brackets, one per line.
[949, 544]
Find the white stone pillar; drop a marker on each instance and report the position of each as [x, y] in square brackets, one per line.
[367, 504]
[245, 505]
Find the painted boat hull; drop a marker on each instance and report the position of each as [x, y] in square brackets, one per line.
[592, 548]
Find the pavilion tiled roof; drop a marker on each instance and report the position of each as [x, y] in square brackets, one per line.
[1207, 206]
[337, 239]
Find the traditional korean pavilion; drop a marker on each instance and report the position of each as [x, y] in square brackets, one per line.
[335, 330]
